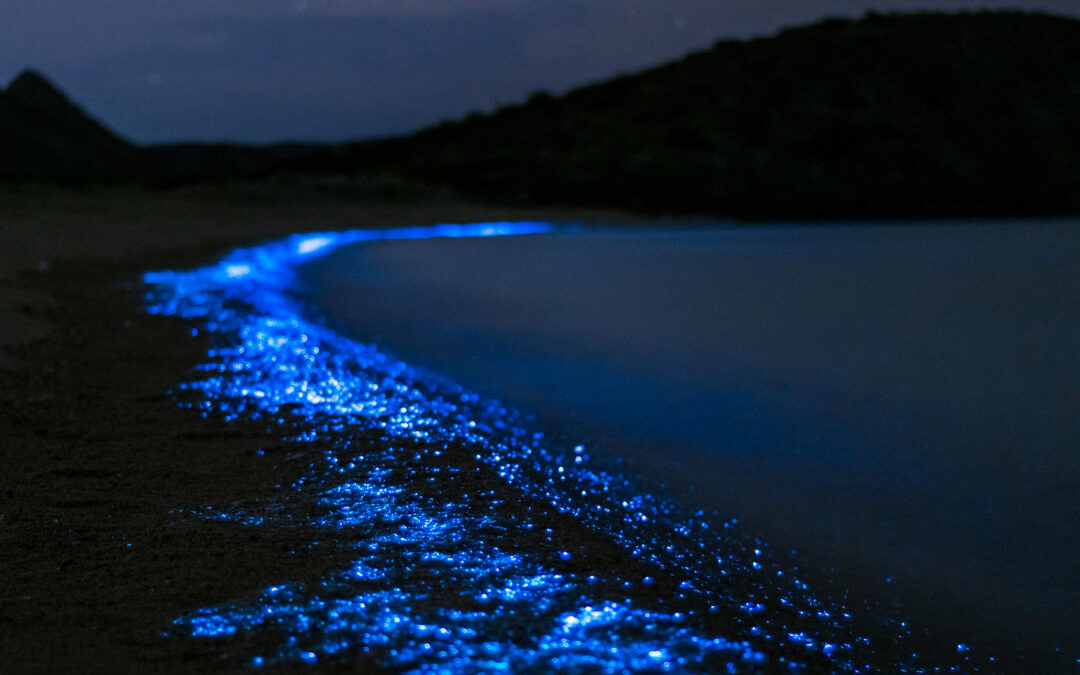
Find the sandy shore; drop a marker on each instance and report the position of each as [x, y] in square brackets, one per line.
[95, 454]
[97, 458]
[42, 226]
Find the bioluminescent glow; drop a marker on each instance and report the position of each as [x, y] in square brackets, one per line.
[476, 544]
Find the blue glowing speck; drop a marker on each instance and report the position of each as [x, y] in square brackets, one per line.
[237, 271]
[313, 244]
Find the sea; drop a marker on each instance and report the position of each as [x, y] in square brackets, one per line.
[883, 418]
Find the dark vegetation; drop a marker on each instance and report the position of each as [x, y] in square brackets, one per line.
[919, 115]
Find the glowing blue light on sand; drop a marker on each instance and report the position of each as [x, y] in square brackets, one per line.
[237, 271]
[474, 544]
[313, 244]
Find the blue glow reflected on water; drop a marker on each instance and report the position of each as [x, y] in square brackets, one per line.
[477, 545]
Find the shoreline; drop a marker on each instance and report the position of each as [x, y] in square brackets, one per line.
[851, 507]
[96, 453]
[473, 533]
[43, 225]
[110, 562]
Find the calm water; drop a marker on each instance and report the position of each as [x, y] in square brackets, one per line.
[900, 403]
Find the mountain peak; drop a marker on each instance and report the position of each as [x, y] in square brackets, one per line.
[30, 78]
[36, 95]
[32, 88]
[47, 136]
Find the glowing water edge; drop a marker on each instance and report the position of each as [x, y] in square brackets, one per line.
[478, 544]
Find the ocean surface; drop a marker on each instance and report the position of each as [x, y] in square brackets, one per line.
[898, 402]
[561, 448]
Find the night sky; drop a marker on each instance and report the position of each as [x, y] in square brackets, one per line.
[272, 70]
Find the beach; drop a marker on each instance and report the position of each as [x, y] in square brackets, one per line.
[617, 338]
[96, 455]
[140, 534]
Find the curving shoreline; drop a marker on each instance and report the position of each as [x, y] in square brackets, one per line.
[458, 511]
[826, 384]
[101, 560]
[96, 455]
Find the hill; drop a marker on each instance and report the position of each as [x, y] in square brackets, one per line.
[893, 115]
[44, 136]
[907, 115]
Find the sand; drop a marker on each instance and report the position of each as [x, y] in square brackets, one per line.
[94, 453]
[42, 226]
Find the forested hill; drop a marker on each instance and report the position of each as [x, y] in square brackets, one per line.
[908, 115]
[889, 116]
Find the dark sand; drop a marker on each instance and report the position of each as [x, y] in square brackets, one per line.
[94, 454]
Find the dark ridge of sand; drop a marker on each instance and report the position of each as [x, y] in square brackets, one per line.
[95, 455]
